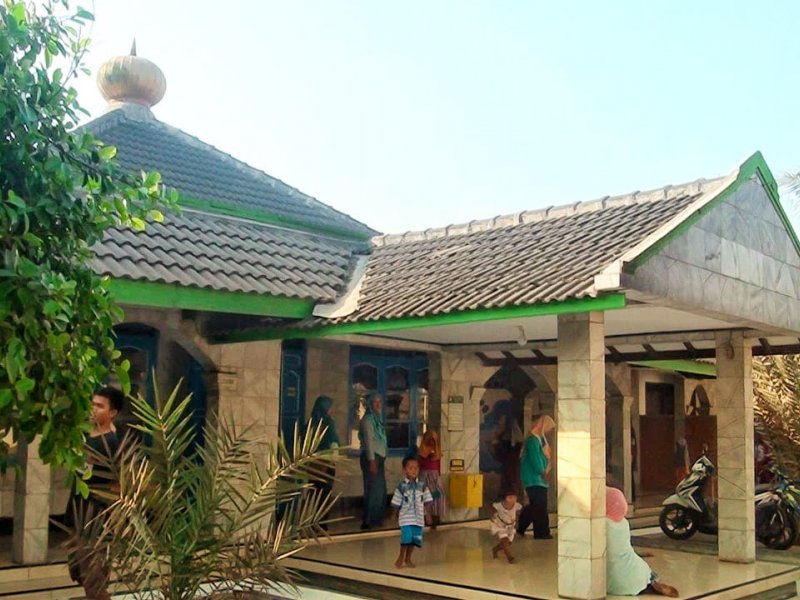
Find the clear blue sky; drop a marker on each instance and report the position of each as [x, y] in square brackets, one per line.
[417, 114]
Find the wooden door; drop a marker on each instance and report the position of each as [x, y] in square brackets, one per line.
[657, 442]
[699, 430]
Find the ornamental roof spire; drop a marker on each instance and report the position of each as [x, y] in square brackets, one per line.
[131, 79]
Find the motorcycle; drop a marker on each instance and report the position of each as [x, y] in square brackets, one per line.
[686, 511]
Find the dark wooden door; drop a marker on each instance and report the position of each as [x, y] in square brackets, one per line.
[700, 430]
[657, 441]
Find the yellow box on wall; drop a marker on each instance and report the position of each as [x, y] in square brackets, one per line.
[466, 490]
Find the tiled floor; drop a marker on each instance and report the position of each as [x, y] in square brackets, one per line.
[461, 557]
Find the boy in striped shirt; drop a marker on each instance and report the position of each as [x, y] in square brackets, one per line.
[409, 499]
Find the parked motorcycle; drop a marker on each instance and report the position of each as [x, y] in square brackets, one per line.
[686, 511]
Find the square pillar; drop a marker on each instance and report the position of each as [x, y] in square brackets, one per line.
[31, 506]
[581, 431]
[627, 454]
[735, 469]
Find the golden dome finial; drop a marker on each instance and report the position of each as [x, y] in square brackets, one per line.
[131, 80]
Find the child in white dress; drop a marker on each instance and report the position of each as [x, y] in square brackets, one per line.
[504, 521]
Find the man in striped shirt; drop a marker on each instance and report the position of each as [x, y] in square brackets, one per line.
[409, 499]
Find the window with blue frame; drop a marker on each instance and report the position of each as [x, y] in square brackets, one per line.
[401, 378]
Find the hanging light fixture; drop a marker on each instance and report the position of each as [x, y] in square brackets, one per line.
[522, 339]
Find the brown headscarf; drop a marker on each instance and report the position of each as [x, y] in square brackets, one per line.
[429, 447]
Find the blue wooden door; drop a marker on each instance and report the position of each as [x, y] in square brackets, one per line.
[293, 389]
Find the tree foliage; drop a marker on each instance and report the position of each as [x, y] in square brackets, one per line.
[60, 190]
[211, 518]
[776, 385]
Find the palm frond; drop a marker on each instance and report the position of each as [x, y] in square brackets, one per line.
[222, 515]
[776, 386]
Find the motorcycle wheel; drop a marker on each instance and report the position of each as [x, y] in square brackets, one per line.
[776, 527]
[677, 522]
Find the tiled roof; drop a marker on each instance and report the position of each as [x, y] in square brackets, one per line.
[202, 250]
[527, 258]
[200, 171]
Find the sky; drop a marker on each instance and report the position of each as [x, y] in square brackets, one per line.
[416, 114]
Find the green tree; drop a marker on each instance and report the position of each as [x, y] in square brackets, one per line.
[60, 189]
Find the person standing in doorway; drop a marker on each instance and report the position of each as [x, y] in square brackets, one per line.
[430, 464]
[87, 567]
[681, 461]
[534, 468]
[372, 435]
[321, 417]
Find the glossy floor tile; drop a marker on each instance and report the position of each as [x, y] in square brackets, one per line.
[461, 557]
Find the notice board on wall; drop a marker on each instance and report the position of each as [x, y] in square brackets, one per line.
[455, 413]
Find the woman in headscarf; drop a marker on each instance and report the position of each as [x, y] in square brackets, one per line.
[535, 466]
[321, 417]
[372, 435]
[430, 469]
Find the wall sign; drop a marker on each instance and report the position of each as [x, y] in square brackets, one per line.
[455, 413]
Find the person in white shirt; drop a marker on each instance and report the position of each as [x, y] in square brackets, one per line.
[504, 522]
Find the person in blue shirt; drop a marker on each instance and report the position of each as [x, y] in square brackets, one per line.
[410, 499]
[372, 435]
[535, 464]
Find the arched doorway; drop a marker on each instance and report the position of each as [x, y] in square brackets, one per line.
[155, 357]
[502, 430]
[701, 425]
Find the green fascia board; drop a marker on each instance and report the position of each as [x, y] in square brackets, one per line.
[164, 295]
[755, 165]
[679, 365]
[222, 208]
[572, 306]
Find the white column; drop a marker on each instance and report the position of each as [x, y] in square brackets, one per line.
[31, 506]
[581, 456]
[735, 448]
[627, 459]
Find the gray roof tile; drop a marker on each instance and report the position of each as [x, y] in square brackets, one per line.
[523, 259]
[200, 171]
[203, 250]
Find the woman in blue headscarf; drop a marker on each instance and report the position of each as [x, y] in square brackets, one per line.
[321, 416]
[372, 435]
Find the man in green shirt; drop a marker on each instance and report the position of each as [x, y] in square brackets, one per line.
[534, 467]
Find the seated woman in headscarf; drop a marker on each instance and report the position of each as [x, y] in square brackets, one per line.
[320, 416]
[430, 469]
[627, 574]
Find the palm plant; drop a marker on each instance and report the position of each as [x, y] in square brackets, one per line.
[213, 519]
[776, 386]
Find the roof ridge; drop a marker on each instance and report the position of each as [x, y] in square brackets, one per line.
[548, 213]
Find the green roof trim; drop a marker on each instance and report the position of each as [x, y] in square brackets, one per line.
[572, 306]
[755, 165]
[222, 208]
[679, 365]
[164, 295]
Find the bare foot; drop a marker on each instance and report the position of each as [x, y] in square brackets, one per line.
[410, 564]
[664, 589]
[511, 559]
[399, 563]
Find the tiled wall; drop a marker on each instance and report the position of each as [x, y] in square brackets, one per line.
[248, 385]
[738, 260]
